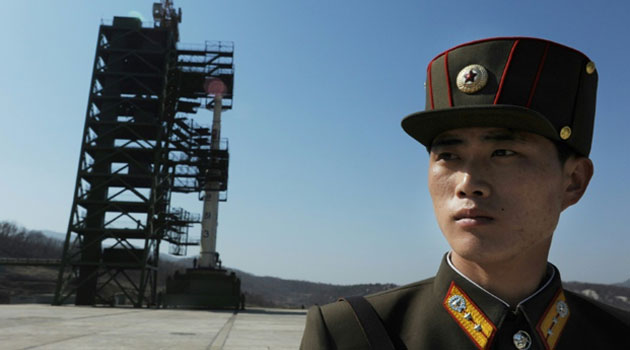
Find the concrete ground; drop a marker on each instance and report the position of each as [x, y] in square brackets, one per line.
[36, 326]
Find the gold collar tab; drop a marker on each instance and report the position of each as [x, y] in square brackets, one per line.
[469, 317]
[553, 320]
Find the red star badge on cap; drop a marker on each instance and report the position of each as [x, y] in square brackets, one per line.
[470, 76]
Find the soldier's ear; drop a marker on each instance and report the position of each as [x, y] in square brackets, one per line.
[578, 172]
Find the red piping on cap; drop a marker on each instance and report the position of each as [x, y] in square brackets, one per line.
[509, 38]
[448, 80]
[505, 70]
[540, 67]
[430, 83]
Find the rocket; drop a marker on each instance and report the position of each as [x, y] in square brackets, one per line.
[209, 258]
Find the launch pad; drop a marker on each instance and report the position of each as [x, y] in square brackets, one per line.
[29, 326]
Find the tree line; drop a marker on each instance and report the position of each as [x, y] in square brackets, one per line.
[19, 242]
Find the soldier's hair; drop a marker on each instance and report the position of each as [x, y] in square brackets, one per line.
[564, 151]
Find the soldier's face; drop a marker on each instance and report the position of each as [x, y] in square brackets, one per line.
[496, 193]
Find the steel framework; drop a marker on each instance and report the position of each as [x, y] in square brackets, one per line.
[138, 147]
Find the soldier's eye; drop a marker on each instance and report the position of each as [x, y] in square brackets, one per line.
[503, 153]
[445, 156]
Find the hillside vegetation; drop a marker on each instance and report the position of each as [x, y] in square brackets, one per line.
[23, 281]
[18, 242]
[20, 281]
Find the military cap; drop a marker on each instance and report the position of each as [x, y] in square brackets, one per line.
[521, 83]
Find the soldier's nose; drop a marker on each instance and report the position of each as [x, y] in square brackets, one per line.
[470, 186]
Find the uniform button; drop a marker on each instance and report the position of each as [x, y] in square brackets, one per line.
[522, 340]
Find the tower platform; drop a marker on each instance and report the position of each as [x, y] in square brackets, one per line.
[203, 288]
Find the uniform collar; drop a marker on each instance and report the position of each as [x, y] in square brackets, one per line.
[547, 280]
[493, 310]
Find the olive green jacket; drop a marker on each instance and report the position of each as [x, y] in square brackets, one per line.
[451, 312]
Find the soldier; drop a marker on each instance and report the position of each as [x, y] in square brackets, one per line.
[508, 125]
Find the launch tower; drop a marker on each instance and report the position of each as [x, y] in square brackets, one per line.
[140, 145]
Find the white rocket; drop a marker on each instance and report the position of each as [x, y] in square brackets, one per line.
[208, 254]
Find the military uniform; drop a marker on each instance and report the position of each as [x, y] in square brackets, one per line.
[526, 84]
[451, 312]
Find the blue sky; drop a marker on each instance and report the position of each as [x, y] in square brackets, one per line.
[324, 184]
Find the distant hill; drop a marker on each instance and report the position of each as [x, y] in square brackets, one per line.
[54, 235]
[266, 291]
[18, 242]
[278, 292]
[614, 295]
[624, 284]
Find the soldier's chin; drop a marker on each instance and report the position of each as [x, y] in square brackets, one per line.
[473, 248]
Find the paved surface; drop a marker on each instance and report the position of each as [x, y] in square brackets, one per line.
[32, 326]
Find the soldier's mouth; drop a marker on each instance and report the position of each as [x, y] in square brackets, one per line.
[474, 221]
[471, 217]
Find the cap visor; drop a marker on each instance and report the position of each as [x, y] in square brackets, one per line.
[426, 125]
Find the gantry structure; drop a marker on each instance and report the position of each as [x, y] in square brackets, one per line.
[140, 145]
